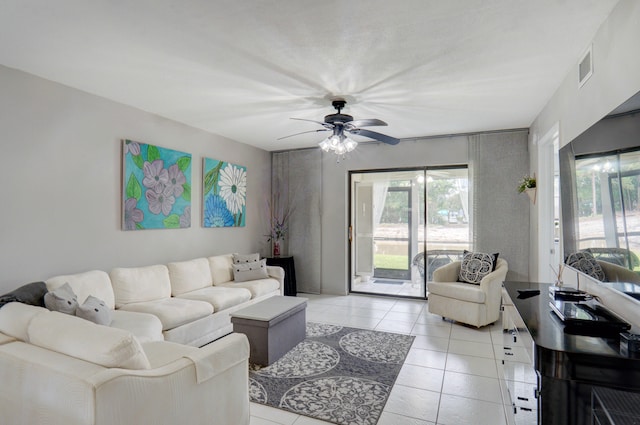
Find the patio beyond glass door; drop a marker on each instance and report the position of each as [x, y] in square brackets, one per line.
[392, 237]
[405, 224]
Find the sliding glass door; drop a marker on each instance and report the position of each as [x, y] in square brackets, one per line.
[404, 224]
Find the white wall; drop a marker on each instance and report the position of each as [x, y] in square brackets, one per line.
[61, 184]
[616, 77]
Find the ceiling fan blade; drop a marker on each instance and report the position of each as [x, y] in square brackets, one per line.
[367, 122]
[324, 124]
[303, 132]
[375, 135]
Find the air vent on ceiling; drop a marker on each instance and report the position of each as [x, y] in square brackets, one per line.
[585, 69]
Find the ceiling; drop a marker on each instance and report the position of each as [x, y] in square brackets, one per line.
[242, 68]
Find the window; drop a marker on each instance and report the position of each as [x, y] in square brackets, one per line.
[608, 193]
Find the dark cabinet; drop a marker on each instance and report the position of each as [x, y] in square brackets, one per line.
[289, 273]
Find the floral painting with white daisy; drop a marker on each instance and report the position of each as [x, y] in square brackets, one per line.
[157, 187]
[224, 194]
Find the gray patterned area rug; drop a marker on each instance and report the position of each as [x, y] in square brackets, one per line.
[337, 374]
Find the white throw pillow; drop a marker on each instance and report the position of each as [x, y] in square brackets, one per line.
[140, 284]
[250, 271]
[94, 282]
[221, 267]
[75, 337]
[187, 276]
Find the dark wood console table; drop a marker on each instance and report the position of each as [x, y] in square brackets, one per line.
[289, 273]
[569, 367]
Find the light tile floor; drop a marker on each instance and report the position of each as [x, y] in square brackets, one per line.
[450, 376]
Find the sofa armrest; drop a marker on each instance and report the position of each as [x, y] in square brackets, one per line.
[221, 354]
[491, 284]
[277, 273]
[171, 394]
[447, 273]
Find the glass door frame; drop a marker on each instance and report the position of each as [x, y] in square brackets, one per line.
[422, 213]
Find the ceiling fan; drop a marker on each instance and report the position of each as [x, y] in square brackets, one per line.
[340, 124]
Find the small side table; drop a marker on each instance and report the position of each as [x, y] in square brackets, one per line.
[289, 273]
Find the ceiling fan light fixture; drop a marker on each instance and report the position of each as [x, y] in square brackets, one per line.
[340, 144]
[350, 144]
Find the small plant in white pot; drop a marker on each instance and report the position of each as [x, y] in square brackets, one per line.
[528, 186]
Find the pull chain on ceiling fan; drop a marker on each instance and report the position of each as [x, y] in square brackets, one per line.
[339, 124]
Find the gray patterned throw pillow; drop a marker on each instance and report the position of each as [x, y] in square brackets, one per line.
[475, 266]
[585, 262]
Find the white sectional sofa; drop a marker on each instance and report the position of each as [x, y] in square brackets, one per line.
[145, 367]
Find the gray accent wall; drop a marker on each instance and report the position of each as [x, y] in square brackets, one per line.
[61, 192]
[511, 146]
[501, 214]
[297, 176]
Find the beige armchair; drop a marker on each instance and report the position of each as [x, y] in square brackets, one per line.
[476, 305]
[615, 273]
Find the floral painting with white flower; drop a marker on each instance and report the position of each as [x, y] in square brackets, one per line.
[224, 194]
[157, 187]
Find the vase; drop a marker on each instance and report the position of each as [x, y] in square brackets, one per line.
[531, 193]
[276, 248]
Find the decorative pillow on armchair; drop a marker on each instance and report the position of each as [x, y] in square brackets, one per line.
[585, 262]
[250, 271]
[476, 265]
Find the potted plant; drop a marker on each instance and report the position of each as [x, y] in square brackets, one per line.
[528, 185]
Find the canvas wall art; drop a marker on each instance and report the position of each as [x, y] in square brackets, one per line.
[224, 194]
[156, 191]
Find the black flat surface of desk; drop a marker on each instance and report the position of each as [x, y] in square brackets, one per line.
[568, 365]
[290, 285]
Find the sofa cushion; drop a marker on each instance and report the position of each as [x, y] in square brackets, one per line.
[221, 267]
[585, 262]
[250, 271]
[15, 319]
[145, 327]
[245, 258]
[459, 291]
[62, 299]
[476, 265]
[172, 312]
[256, 287]
[6, 338]
[219, 297]
[31, 293]
[94, 282]
[75, 337]
[94, 310]
[187, 276]
[140, 284]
